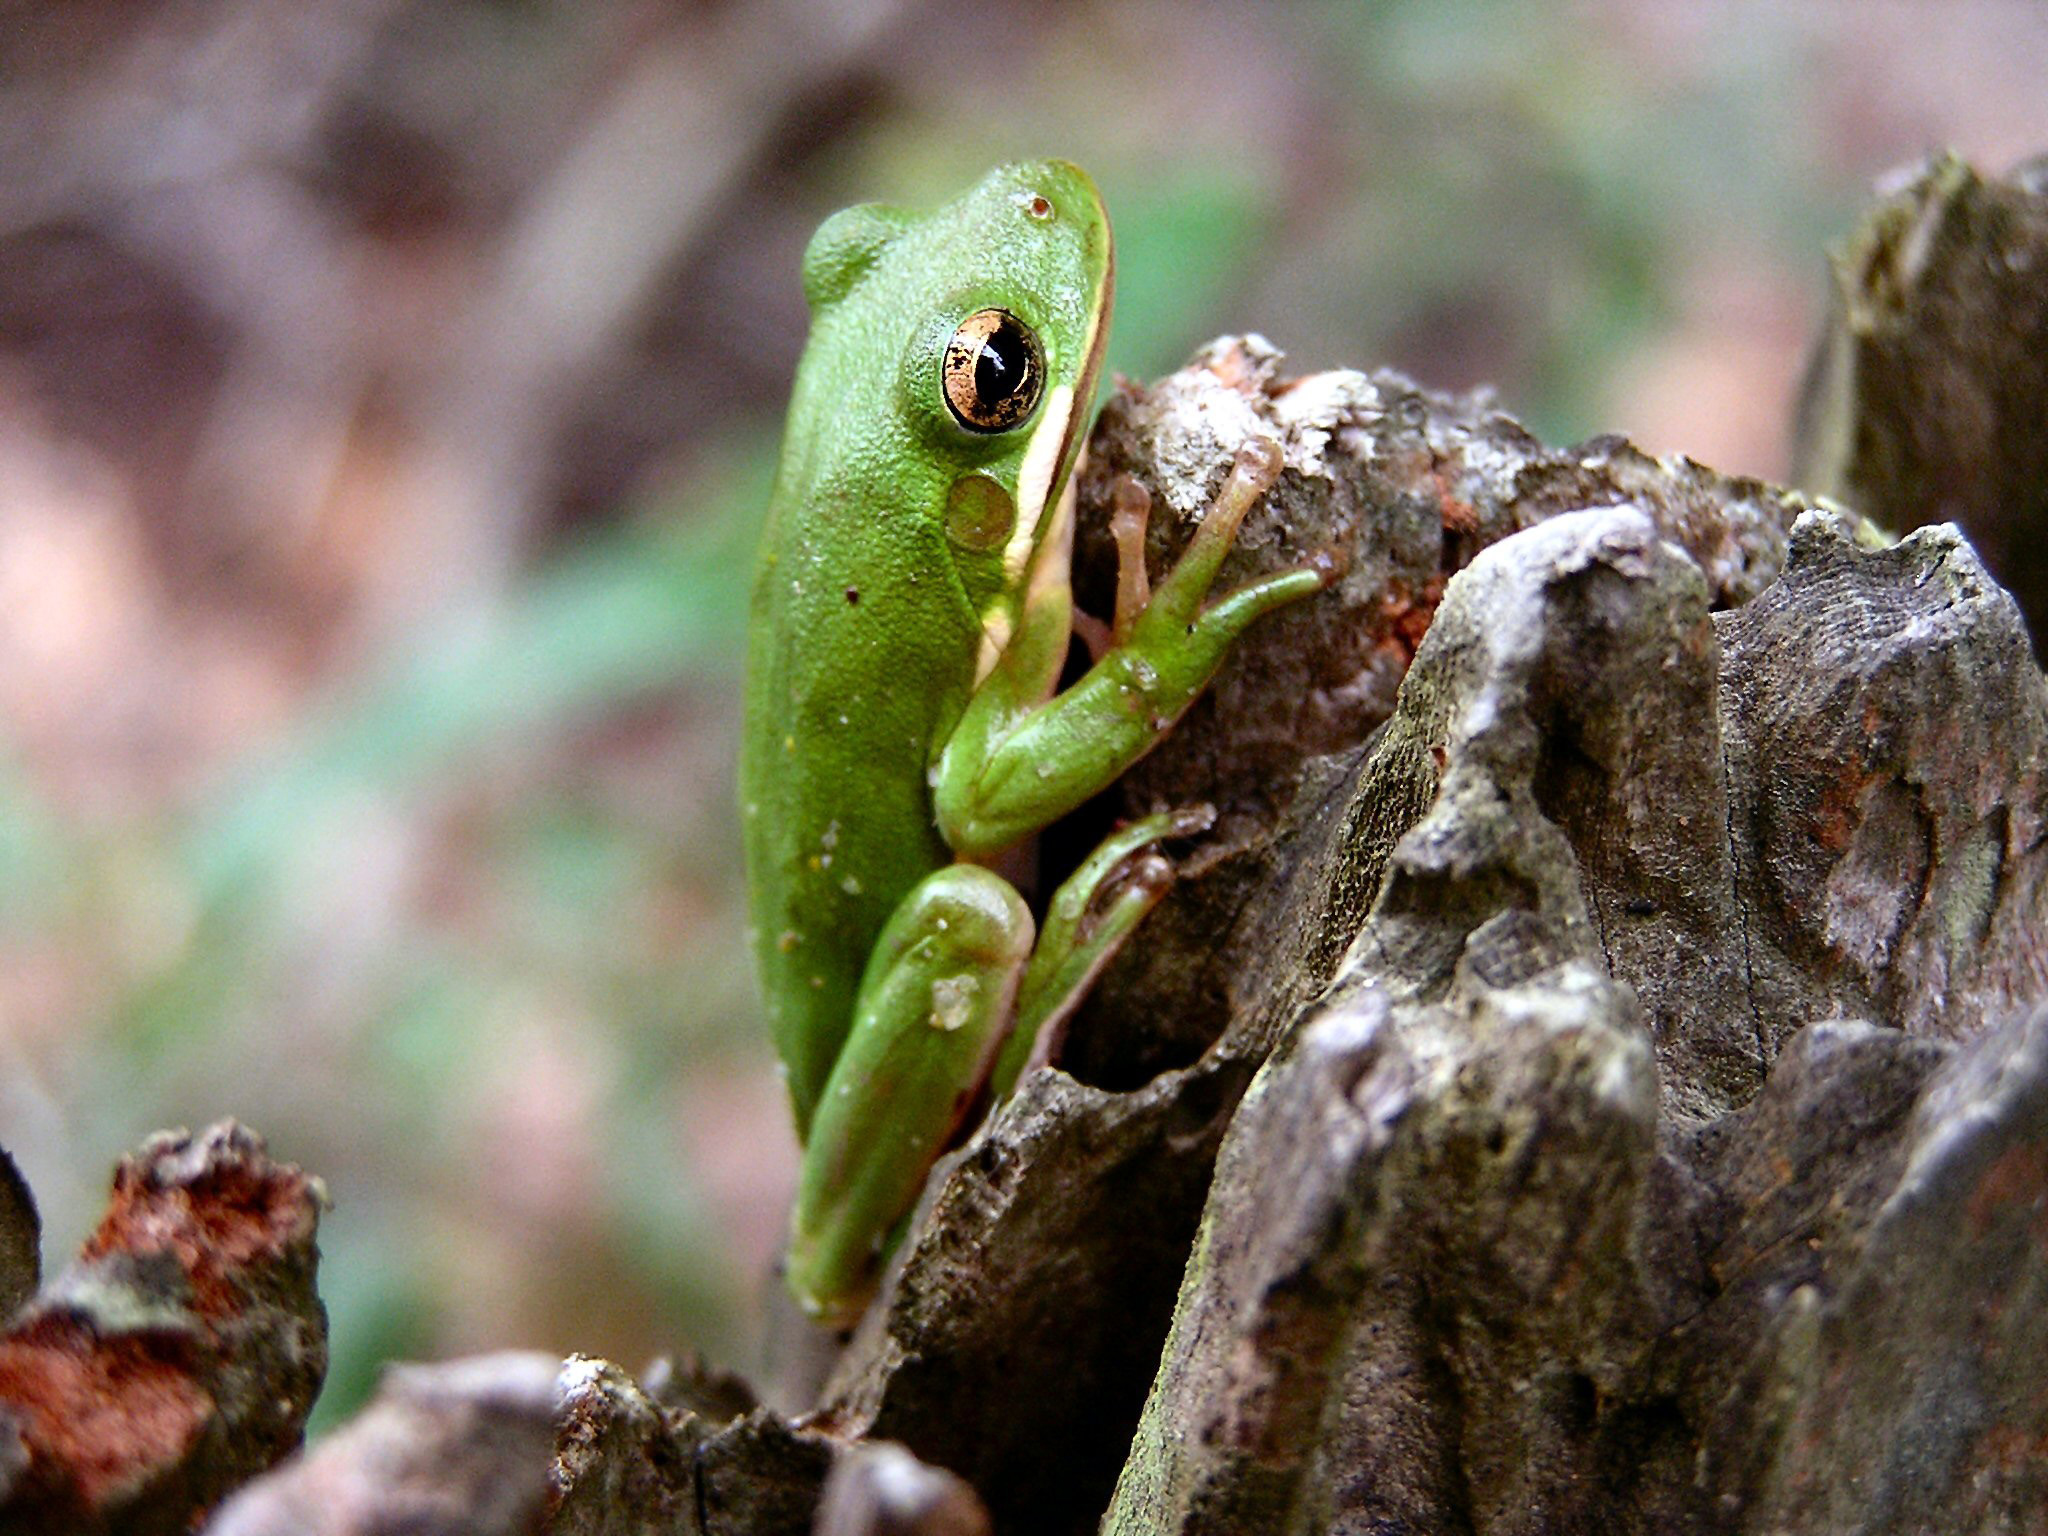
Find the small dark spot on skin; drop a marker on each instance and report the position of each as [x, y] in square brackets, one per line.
[1641, 907]
[853, 594]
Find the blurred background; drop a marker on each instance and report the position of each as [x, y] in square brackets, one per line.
[388, 395]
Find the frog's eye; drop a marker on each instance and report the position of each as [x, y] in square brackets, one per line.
[994, 371]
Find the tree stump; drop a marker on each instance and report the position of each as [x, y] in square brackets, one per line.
[1593, 1076]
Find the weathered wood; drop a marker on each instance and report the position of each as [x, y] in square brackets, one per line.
[21, 1238]
[1052, 1246]
[177, 1356]
[1713, 1208]
[1926, 399]
[1624, 932]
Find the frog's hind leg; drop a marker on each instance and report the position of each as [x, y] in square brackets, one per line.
[938, 991]
[1090, 916]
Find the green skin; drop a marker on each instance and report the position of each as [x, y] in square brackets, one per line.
[911, 612]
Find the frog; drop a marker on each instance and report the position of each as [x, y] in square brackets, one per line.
[904, 732]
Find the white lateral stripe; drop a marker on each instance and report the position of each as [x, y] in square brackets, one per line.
[1034, 478]
[1051, 565]
[995, 636]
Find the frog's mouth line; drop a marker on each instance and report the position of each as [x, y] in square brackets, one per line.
[1097, 348]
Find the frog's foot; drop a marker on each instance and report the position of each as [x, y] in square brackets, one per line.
[1090, 916]
[1177, 609]
[938, 991]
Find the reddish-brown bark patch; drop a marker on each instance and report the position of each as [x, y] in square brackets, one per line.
[232, 1214]
[1406, 614]
[2018, 1177]
[178, 1355]
[98, 1416]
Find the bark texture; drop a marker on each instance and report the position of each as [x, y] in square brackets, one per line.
[1666, 1153]
[1553, 763]
[21, 1238]
[1924, 397]
[177, 1357]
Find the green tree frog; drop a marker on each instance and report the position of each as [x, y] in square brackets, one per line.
[910, 615]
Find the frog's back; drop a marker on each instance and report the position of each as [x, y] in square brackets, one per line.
[843, 706]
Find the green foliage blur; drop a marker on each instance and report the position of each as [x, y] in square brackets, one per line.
[452, 912]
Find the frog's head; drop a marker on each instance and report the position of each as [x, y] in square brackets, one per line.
[996, 308]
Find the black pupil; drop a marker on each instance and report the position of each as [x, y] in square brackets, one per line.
[1003, 363]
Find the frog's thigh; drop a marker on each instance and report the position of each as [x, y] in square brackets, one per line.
[932, 1009]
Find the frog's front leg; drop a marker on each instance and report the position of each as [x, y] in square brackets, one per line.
[933, 1004]
[1018, 761]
